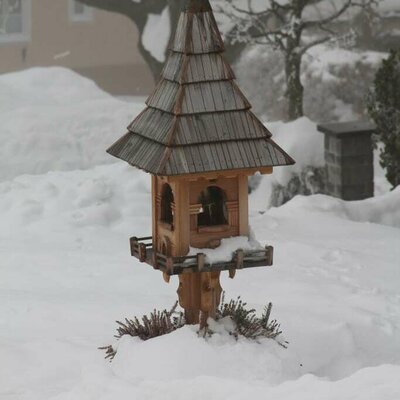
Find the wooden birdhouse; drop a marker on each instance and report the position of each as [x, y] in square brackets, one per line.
[200, 142]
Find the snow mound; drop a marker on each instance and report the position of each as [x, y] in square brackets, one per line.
[66, 272]
[305, 144]
[67, 275]
[383, 210]
[367, 384]
[54, 119]
[221, 356]
[46, 86]
[302, 141]
[103, 196]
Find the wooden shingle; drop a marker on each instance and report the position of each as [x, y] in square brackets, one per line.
[182, 68]
[197, 119]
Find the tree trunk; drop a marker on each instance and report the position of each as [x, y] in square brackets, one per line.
[294, 88]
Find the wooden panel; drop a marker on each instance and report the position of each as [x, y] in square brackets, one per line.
[146, 154]
[221, 174]
[195, 68]
[153, 124]
[182, 218]
[233, 213]
[164, 96]
[154, 207]
[138, 151]
[234, 155]
[173, 67]
[201, 239]
[196, 34]
[243, 206]
[212, 96]
[178, 43]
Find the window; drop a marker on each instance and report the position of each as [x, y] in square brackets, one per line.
[167, 198]
[213, 207]
[15, 21]
[78, 12]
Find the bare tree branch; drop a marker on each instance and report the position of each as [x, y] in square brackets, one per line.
[283, 27]
[327, 20]
[324, 21]
[316, 42]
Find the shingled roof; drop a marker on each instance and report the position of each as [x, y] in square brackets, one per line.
[197, 119]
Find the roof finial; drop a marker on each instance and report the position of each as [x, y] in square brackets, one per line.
[196, 6]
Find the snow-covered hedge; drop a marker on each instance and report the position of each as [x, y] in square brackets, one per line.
[335, 82]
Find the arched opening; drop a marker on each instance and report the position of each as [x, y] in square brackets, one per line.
[213, 207]
[167, 198]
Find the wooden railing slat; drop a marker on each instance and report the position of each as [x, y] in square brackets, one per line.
[197, 263]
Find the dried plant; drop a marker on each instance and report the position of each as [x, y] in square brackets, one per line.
[247, 323]
[158, 323]
[110, 352]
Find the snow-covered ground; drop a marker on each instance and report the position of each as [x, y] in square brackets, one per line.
[66, 212]
[52, 119]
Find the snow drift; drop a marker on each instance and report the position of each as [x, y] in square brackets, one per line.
[66, 273]
[54, 119]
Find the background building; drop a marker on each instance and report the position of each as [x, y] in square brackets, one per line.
[97, 44]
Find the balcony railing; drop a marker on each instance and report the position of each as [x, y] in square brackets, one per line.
[142, 248]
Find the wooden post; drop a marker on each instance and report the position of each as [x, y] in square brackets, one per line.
[199, 295]
[154, 194]
[189, 294]
[243, 205]
[142, 252]
[239, 258]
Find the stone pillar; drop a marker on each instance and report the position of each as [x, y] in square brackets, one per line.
[349, 159]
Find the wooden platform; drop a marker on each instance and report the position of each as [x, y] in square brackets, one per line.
[142, 249]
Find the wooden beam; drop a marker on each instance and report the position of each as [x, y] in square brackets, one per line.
[243, 205]
[220, 174]
[154, 193]
[182, 218]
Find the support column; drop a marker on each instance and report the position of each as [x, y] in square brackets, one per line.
[199, 295]
[243, 205]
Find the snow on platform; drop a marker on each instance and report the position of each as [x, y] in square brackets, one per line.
[67, 275]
